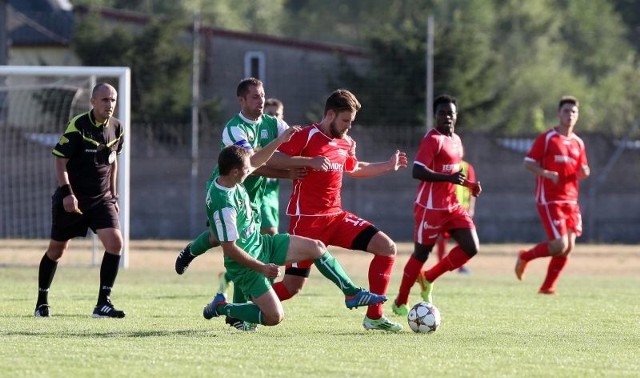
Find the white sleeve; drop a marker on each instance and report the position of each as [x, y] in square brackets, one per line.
[282, 126]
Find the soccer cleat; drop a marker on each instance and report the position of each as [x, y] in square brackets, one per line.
[426, 288]
[42, 311]
[521, 265]
[211, 310]
[547, 291]
[184, 259]
[464, 270]
[249, 327]
[401, 310]
[106, 310]
[363, 298]
[235, 323]
[383, 324]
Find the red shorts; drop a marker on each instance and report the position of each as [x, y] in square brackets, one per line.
[428, 224]
[339, 230]
[558, 218]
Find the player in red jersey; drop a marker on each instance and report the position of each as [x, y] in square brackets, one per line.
[559, 160]
[436, 209]
[315, 206]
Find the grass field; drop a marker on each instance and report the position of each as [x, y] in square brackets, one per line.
[492, 324]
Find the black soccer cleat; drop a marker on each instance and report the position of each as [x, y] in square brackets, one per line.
[184, 259]
[42, 311]
[106, 310]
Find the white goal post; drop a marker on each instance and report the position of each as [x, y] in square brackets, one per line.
[123, 75]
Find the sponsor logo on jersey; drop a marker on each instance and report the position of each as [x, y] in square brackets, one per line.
[336, 167]
[264, 134]
[450, 168]
[564, 159]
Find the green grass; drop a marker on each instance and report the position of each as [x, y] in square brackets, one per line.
[492, 326]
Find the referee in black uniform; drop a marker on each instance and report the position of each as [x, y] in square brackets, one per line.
[86, 168]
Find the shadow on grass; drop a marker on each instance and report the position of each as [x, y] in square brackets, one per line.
[132, 334]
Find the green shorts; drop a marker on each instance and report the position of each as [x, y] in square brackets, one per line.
[269, 211]
[254, 284]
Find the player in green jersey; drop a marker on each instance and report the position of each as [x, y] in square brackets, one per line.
[254, 259]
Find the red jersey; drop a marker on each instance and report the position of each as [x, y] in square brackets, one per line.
[318, 193]
[563, 154]
[441, 154]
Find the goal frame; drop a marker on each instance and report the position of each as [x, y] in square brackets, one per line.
[123, 74]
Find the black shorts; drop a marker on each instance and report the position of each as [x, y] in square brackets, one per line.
[66, 226]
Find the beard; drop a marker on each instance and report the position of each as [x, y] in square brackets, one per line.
[335, 133]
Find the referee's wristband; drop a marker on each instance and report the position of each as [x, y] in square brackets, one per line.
[65, 190]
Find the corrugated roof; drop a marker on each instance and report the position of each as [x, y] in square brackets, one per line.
[40, 22]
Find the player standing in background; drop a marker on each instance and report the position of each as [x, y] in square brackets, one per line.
[254, 258]
[468, 201]
[86, 169]
[315, 206]
[558, 158]
[436, 208]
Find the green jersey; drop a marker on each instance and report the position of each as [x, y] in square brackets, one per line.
[251, 135]
[233, 218]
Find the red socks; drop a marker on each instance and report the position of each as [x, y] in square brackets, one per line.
[411, 270]
[455, 259]
[281, 291]
[540, 250]
[556, 265]
[379, 277]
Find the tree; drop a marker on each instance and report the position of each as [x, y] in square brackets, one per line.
[160, 65]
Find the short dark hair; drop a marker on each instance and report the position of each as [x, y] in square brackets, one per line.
[245, 84]
[342, 100]
[568, 100]
[231, 157]
[273, 102]
[441, 100]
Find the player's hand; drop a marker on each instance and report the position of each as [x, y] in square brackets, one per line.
[583, 172]
[320, 163]
[458, 178]
[475, 187]
[297, 173]
[271, 271]
[551, 175]
[288, 133]
[399, 160]
[70, 204]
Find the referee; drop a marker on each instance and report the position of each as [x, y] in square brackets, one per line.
[86, 168]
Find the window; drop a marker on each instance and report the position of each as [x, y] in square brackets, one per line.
[254, 65]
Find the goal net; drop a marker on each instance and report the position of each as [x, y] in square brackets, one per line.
[36, 102]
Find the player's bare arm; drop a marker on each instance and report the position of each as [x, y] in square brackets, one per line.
[261, 157]
[364, 169]
[284, 161]
[538, 170]
[231, 249]
[420, 172]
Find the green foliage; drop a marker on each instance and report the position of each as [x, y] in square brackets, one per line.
[160, 64]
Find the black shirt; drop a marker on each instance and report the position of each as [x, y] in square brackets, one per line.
[91, 149]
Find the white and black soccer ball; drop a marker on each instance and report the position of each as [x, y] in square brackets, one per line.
[424, 318]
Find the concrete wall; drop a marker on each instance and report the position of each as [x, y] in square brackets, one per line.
[505, 211]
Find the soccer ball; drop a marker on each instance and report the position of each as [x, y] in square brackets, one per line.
[424, 318]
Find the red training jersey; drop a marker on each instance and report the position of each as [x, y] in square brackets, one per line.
[318, 193]
[563, 154]
[441, 154]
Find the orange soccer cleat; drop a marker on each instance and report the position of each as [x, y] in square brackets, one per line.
[521, 265]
